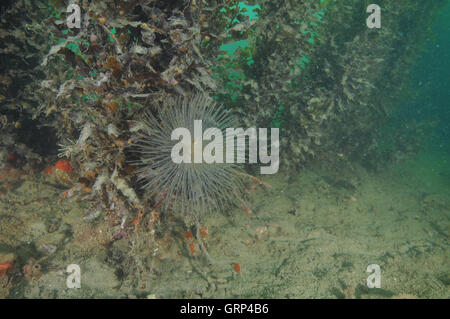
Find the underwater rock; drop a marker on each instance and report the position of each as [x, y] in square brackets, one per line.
[32, 270]
[10, 177]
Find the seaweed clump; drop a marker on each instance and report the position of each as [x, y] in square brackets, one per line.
[314, 69]
[93, 85]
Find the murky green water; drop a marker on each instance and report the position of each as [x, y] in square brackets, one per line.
[360, 205]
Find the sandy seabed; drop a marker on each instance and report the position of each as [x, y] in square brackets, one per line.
[309, 236]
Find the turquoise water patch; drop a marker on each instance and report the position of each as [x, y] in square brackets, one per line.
[251, 11]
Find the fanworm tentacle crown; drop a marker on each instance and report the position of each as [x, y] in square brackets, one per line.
[192, 188]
